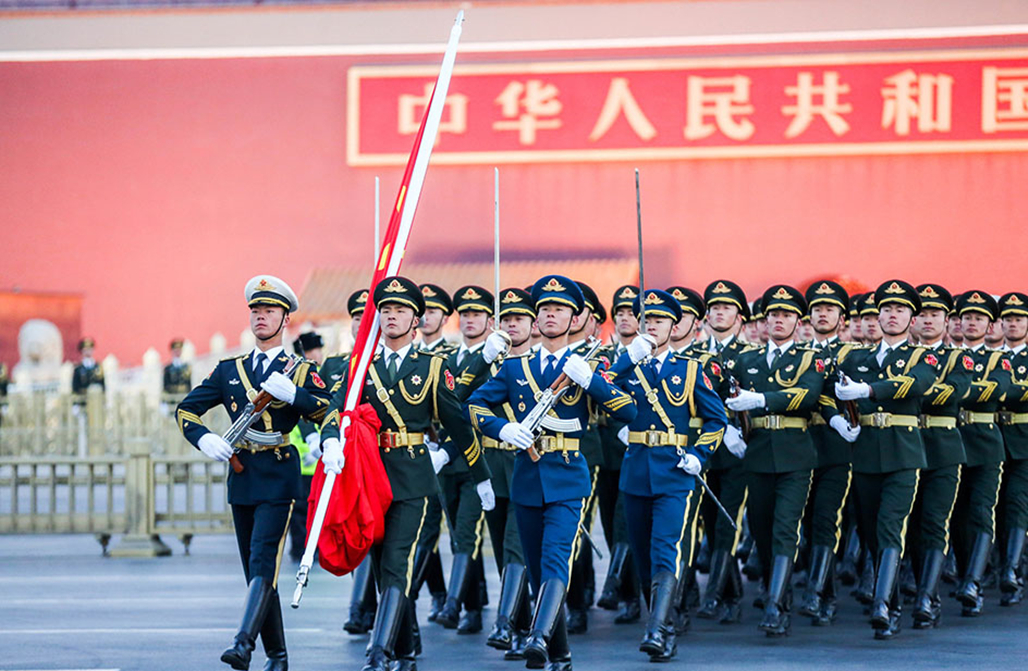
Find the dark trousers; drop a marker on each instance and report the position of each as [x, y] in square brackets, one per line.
[883, 502]
[503, 534]
[612, 511]
[658, 532]
[729, 485]
[393, 558]
[1012, 512]
[582, 571]
[549, 538]
[929, 525]
[261, 535]
[776, 503]
[975, 509]
[298, 522]
[463, 510]
[828, 493]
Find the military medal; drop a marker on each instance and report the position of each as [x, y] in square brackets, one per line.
[521, 406]
[234, 406]
[675, 379]
[415, 379]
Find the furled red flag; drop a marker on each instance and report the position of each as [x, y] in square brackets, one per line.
[368, 496]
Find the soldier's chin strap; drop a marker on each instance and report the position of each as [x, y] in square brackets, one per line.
[277, 331]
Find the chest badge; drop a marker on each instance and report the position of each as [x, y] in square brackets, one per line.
[521, 406]
[901, 363]
[862, 369]
[979, 368]
[521, 383]
[790, 368]
[234, 406]
[676, 379]
[1021, 370]
[751, 371]
[415, 379]
[234, 380]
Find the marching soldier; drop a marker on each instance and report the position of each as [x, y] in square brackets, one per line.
[855, 323]
[514, 612]
[262, 492]
[550, 483]
[973, 524]
[463, 501]
[687, 329]
[832, 435]
[657, 476]
[87, 373]
[428, 565]
[869, 323]
[929, 528]
[887, 381]
[780, 384]
[178, 375]
[407, 389]
[620, 588]
[722, 600]
[334, 367]
[1014, 421]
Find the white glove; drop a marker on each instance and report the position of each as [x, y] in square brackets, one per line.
[281, 387]
[746, 400]
[848, 433]
[623, 435]
[486, 494]
[439, 458]
[579, 371]
[641, 347]
[314, 443]
[332, 456]
[852, 391]
[517, 435]
[496, 344]
[734, 442]
[690, 464]
[215, 447]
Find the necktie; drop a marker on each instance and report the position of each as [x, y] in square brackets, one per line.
[655, 365]
[460, 356]
[258, 368]
[720, 346]
[551, 364]
[775, 355]
[882, 353]
[392, 367]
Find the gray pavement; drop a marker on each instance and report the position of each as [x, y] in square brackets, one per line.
[63, 606]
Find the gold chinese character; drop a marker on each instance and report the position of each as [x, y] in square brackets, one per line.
[523, 103]
[620, 100]
[723, 98]
[927, 98]
[805, 109]
[1004, 99]
[413, 107]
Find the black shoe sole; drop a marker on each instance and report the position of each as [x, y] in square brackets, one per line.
[234, 661]
[535, 659]
[499, 644]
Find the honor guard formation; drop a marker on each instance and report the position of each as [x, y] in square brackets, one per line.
[813, 444]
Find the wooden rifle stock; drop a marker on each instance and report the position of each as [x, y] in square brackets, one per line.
[850, 407]
[743, 417]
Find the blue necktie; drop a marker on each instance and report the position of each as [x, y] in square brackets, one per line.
[258, 368]
[551, 365]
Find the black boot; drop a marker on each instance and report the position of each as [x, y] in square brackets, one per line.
[702, 562]
[258, 600]
[753, 569]
[927, 609]
[681, 604]
[549, 607]
[864, 591]
[559, 651]
[513, 588]
[731, 598]
[776, 613]
[631, 608]
[273, 637]
[907, 582]
[1010, 583]
[711, 608]
[850, 557]
[821, 558]
[460, 571]
[359, 622]
[655, 641]
[829, 605]
[969, 594]
[436, 584]
[950, 576]
[612, 585]
[885, 587]
[385, 630]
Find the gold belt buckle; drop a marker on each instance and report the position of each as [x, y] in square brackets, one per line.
[880, 420]
[774, 422]
[653, 438]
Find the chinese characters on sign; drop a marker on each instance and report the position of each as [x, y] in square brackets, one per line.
[673, 108]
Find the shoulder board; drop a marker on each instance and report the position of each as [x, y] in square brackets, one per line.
[233, 358]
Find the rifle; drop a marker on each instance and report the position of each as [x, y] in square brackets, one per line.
[255, 406]
[539, 417]
[849, 408]
[743, 417]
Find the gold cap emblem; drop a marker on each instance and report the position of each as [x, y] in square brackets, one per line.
[627, 292]
[720, 288]
[930, 292]
[394, 287]
[652, 299]
[265, 285]
[894, 288]
[976, 298]
[679, 295]
[471, 295]
[427, 292]
[1014, 300]
[510, 297]
[782, 294]
[553, 285]
[824, 289]
[363, 298]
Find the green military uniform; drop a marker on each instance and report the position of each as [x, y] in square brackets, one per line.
[1013, 517]
[973, 524]
[460, 500]
[178, 375]
[889, 450]
[621, 586]
[929, 526]
[86, 373]
[725, 472]
[830, 485]
[407, 397]
[780, 455]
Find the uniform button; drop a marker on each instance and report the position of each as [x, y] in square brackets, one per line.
[770, 379]
[910, 428]
[387, 450]
[652, 427]
[574, 454]
[421, 451]
[392, 391]
[881, 375]
[879, 408]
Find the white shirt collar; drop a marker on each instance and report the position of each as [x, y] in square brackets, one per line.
[272, 354]
[464, 349]
[771, 346]
[826, 342]
[428, 347]
[88, 361]
[544, 353]
[934, 346]
[402, 353]
[712, 345]
[885, 348]
[662, 357]
[1015, 350]
[977, 347]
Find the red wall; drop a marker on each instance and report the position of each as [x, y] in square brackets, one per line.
[156, 188]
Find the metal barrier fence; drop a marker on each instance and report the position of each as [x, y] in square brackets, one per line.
[137, 496]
